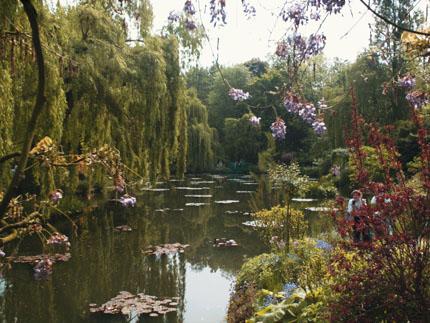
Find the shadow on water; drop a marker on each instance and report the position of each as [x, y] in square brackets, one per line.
[105, 262]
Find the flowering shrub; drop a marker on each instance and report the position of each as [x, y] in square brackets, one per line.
[274, 224]
[388, 277]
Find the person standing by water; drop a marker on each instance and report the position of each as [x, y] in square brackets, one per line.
[354, 204]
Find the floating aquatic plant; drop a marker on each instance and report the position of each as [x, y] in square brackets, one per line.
[128, 304]
[165, 249]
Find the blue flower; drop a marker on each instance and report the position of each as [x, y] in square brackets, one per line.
[288, 289]
[267, 300]
[321, 244]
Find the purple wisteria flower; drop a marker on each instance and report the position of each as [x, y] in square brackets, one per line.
[407, 82]
[189, 8]
[173, 17]
[248, 9]
[255, 121]
[217, 11]
[238, 94]
[279, 129]
[302, 47]
[417, 99]
[331, 6]
[127, 200]
[56, 195]
[319, 127]
[295, 13]
[190, 24]
[306, 111]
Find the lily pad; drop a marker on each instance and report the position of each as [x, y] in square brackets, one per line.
[232, 212]
[297, 199]
[156, 189]
[189, 188]
[225, 243]
[227, 201]
[196, 204]
[123, 228]
[165, 249]
[126, 303]
[201, 182]
[245, 192]
[318, 209]
[162, 210]
[42, 264]
[199, 195]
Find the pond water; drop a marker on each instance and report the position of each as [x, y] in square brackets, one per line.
[104, 262]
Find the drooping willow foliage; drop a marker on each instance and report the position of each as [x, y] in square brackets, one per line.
[201, 137]
[100, 90]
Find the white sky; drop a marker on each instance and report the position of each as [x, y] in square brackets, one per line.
[242, 39]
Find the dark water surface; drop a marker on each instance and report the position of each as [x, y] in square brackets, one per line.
[105, 262]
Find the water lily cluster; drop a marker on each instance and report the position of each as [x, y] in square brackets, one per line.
[59, 240]
[306, 111]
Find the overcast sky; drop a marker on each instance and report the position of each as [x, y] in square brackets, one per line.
[242, 39]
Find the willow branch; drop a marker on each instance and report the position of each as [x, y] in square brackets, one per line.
[31, 13]
[392, 23]
[9, 156]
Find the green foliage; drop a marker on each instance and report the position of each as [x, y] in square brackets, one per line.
[200, 135]
[220, 105]
[371, 163]
[243, 141]
[307, 267]
[263, 271]
[99, 90]
[321, 190]
[289, 179]
[273, 223]
[299, 307]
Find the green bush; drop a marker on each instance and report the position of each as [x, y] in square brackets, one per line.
[321, 190]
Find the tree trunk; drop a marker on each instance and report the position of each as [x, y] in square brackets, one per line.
[31, 13]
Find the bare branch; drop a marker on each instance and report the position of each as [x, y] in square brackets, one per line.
[392, 23]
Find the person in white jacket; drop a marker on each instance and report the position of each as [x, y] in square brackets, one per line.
[354, 204]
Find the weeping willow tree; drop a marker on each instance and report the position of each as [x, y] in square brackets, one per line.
[99, 90]
[200, 135]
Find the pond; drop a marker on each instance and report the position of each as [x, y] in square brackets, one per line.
[104, 262]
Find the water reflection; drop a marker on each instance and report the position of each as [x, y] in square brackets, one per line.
[105, 262]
